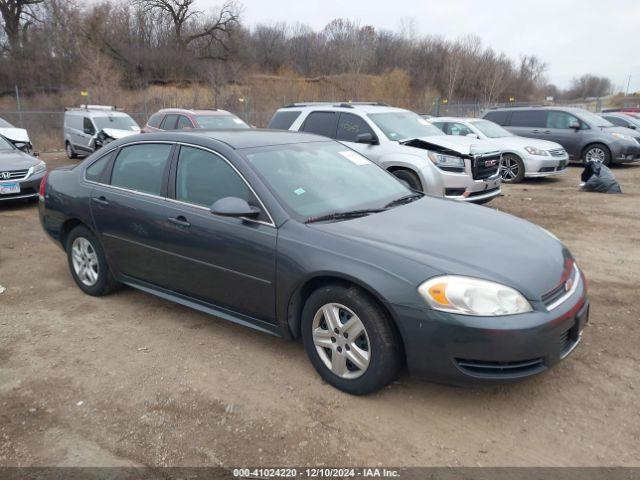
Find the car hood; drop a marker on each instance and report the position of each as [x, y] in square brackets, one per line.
[117, 133]
[15, 134]
[462, 145]
[16, 160]
[626, 131]
[521, 142]
[462, 239]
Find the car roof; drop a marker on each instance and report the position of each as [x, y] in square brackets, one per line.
[239, 139]
[96, 112]
[537, 107]
[351, 107]
[455, 119]
[209, 112]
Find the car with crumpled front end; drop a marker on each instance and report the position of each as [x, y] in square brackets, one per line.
[20, 173]
[405, 144]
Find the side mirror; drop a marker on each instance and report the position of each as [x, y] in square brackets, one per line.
[366, 138]
[234, 207]
[575, 125]
[472, 135]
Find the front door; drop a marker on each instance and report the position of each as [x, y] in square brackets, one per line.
[349, 127]
[559, 130]
[227, 262]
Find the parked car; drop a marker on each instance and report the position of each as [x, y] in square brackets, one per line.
[405, 144]
[20, 173]
[90, 127]
[298, 236]
[181, 119]
[620, 119]
[521, 157]
[17, 136]
[584, 135]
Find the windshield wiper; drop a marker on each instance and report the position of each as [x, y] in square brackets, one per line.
[344, 215]
[406, 199]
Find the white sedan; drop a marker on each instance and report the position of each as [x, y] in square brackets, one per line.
[521, 157]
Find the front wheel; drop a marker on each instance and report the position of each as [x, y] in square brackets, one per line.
[511, 168]
[410, 178]
[349, 339]
[88, 263]
[71, 154]
[597, 153]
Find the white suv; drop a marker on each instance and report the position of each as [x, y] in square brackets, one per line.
[405, 144]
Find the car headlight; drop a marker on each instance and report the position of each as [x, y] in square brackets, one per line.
[472, 296]
[446, 161]
[536, 151]
[623, 136]
[39, 168]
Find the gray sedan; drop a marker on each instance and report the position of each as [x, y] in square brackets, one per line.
[298, 236]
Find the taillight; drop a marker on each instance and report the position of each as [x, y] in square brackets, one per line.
[43, 186]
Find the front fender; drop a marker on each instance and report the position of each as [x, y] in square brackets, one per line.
[430, 177]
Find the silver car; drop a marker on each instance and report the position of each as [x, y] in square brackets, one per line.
[405, 144]
[90, 127]
[521, 157]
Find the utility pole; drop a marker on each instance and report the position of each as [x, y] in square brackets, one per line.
[19, 106]
[626, 92]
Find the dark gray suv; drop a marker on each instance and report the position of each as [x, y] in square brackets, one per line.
[584, 135]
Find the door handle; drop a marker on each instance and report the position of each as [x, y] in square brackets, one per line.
[180, 221]
[100, 201]
[536, 131]
[547, 131]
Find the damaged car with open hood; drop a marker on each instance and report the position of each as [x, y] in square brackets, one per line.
[18, 137]
[90, 127]
[405, 144]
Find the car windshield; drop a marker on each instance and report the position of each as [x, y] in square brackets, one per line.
[321, 178]
[594, 120]
[404, 125]
[5, 144]
[221, 122]
[116, 122]
[491, 130]
[5, 124]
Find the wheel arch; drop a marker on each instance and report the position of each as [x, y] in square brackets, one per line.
[68, 225]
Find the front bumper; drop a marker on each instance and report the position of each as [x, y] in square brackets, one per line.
[625, 152]
[462, 187]
[459, 349]
[544, 166]
[29, 187]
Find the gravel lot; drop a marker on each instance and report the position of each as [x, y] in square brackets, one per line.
[130, 379]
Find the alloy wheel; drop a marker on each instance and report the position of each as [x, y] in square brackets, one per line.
[595, 155]
[85, 261]
[509, 168]
[341, 341]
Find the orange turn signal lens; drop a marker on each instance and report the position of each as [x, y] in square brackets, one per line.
[438, 293]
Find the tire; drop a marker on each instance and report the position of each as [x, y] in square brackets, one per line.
[410, 178]
[597, 153]
[71, 154]
[512, 168]
[88, 263]
[358, 364]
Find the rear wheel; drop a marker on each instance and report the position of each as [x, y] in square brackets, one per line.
[349, 339]
[70, 152]
[597, 153]
[409, 178]
[511, 168]
[88, 263]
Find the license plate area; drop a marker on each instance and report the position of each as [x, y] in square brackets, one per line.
[9, 188]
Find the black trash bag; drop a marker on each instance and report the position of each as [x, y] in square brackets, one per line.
[598, 178]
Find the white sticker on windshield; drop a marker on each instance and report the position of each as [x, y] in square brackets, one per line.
[355, 157]
[299, 191]
[238, 121]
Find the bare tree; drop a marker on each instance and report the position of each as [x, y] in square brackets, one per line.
[17, 17]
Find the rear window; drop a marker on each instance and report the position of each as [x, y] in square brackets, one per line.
[498, 116]
[283, 120]
[529, 118]
[155, 119]
[322, 123]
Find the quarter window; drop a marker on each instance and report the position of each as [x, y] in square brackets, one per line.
[321, 123]
[350, 126]
[141, 167]
[169, 122]
[202, 178]
[283, 120]
[96, 169]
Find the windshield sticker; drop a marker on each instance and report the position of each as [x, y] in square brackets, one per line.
[355, 157]
[299, 191]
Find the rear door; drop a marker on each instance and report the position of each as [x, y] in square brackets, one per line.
[227, 262]
[129, 209]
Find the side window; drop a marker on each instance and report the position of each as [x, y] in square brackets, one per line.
[529, 118]
[459, 129]
[155, 119]
[88, 127]
[321, 123]
[169, 122]
[184, 122]
[440, 125]
[202, 178]
[562, 120]
[498, 116]
[141, 167]
[96, 169]
[616, 121]
[350, 126]
[283, 120]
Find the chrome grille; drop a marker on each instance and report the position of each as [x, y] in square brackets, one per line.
[557, 152]
[486, 166]
[13, 174]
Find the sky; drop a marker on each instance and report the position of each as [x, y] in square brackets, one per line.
[573, 37]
